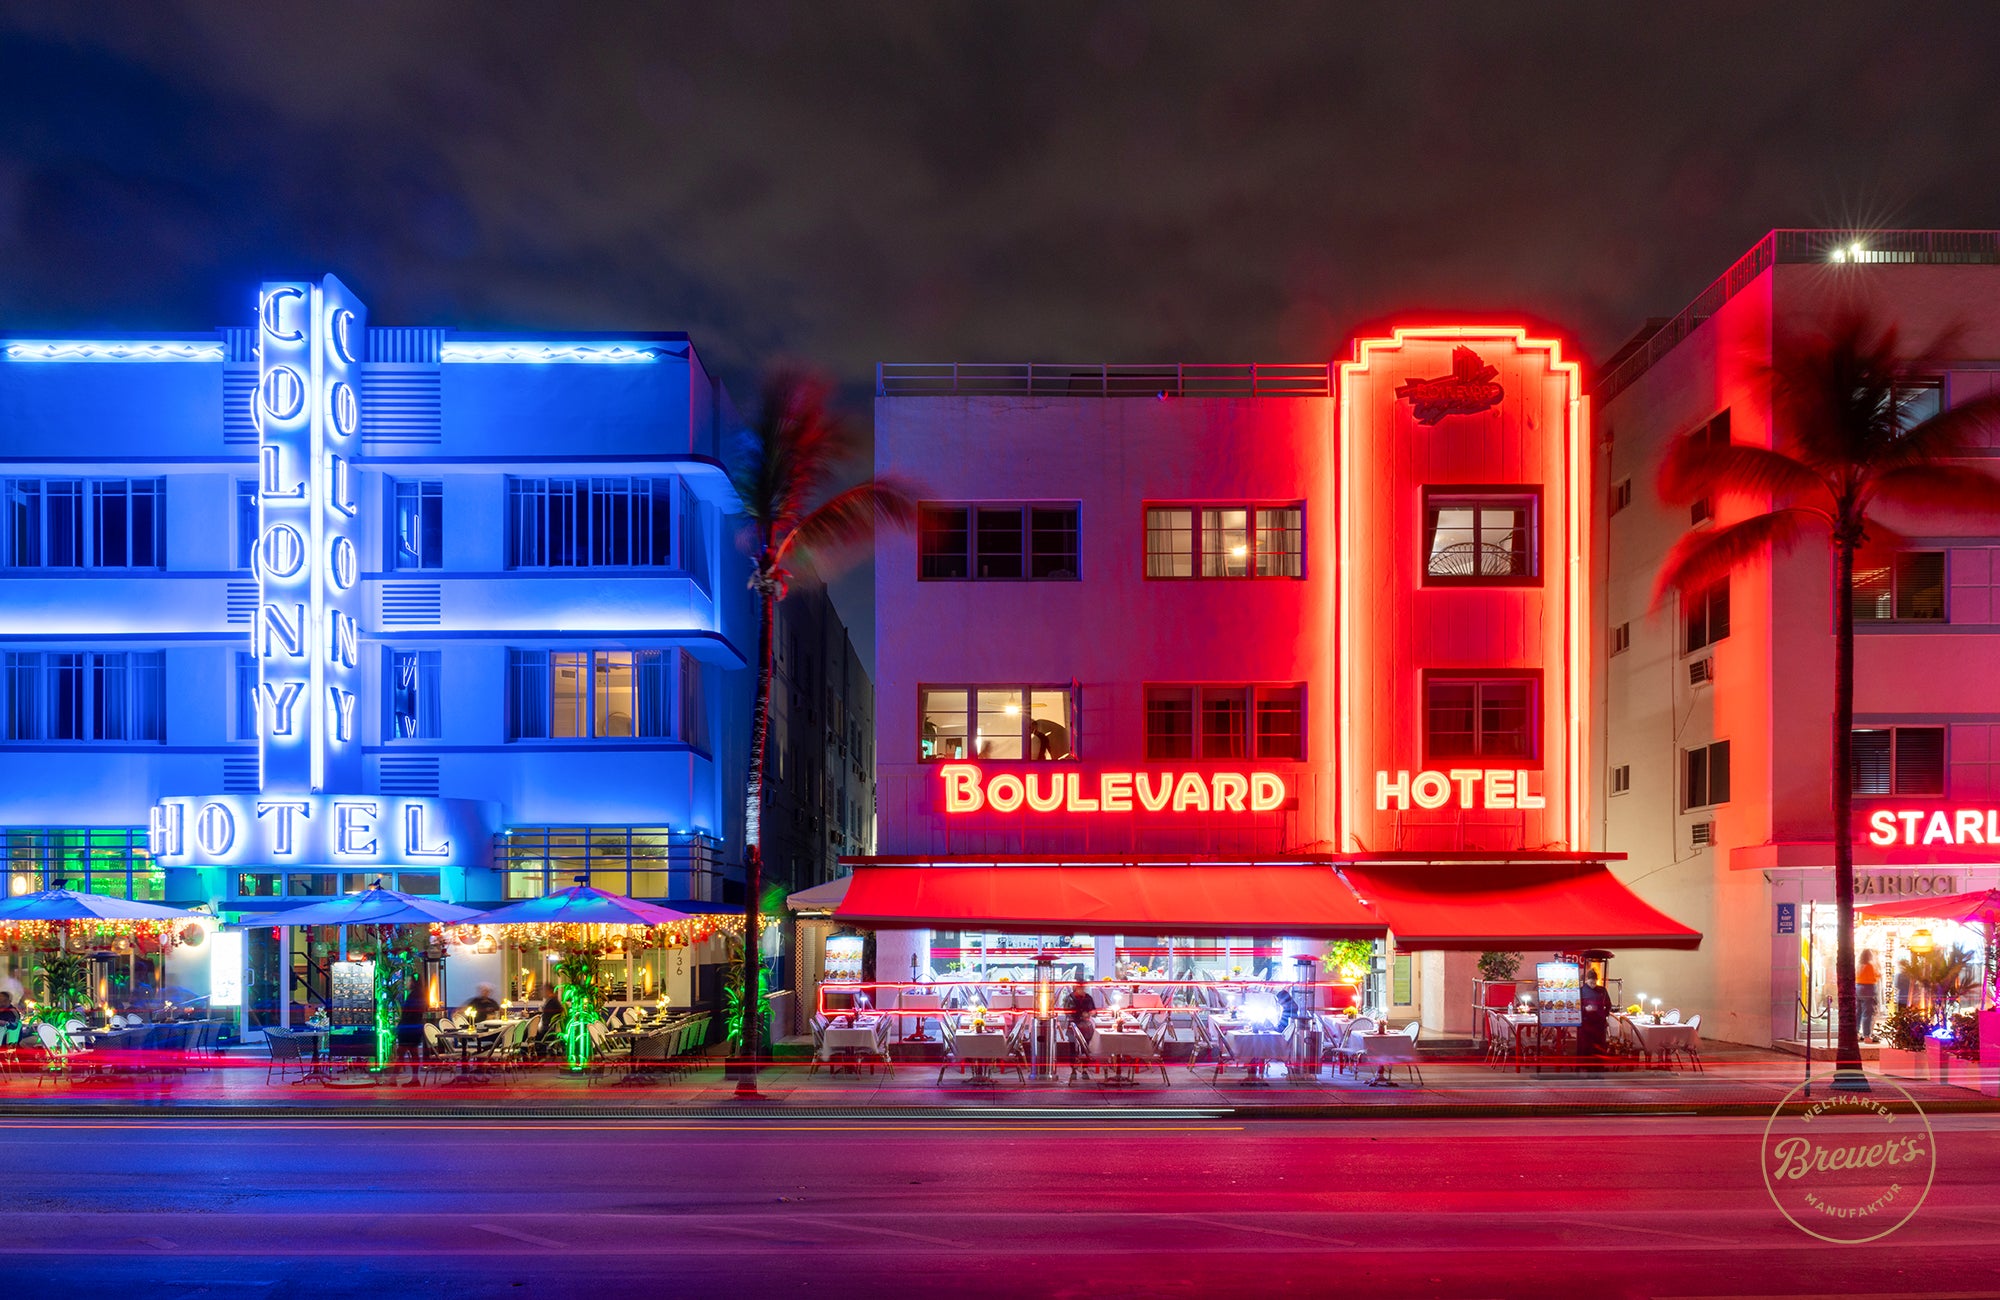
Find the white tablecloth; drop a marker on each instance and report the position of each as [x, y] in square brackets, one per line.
[1115, 1042]
[834, 1039]
[1259, 1045]
[1660, 1038]
[972, 1046]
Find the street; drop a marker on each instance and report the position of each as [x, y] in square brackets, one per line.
[1103, 1207]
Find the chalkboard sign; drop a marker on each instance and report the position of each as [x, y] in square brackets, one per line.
[1558, 993]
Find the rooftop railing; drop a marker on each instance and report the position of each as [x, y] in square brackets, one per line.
[1055, 379]
[1833, 247]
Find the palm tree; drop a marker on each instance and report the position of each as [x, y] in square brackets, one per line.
[1849, 409]
[785, 461]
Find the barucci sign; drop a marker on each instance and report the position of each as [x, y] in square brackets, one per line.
[321, 830]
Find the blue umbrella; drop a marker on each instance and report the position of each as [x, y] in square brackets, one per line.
[582, 904]
[69, 905]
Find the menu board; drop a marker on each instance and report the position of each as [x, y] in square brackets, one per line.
[1558, 993]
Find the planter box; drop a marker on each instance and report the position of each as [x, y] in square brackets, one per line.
[1904, 1065]
[1939, 1060]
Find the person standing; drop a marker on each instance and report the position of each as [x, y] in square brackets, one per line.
[1595, 1007]
[1867, 988]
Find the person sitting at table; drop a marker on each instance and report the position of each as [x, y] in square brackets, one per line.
[9, 1013]
[1082, 1007]
[552, 1019]
[482, 1006]
[1591, 1034]
[410, 1030]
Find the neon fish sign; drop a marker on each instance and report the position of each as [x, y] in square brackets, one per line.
[968, 790]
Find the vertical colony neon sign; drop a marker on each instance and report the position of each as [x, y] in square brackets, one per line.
[306, 637]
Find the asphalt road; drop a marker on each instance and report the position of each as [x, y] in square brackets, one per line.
[1102, 1209]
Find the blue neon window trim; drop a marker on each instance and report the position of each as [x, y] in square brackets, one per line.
[108, 350]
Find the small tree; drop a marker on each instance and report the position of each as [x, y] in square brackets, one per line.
[783, 470]
[1850, 435]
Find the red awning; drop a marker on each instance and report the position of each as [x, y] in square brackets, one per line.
[1298, 899]
[1510, 906]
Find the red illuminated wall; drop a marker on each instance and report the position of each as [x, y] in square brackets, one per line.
[1395, 627]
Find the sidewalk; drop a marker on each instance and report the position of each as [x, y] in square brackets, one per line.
[1738, 1081]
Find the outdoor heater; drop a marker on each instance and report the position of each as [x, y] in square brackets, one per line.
[1306, 1006]
[1045, 1017]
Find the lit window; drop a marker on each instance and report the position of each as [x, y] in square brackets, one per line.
[603, 695]
[994, 722]
[1908, 588]
[1225, 541]
[1480, 537]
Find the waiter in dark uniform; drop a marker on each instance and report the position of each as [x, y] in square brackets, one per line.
[1592, 1034]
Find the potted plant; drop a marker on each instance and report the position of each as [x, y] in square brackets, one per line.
[1905, 1034]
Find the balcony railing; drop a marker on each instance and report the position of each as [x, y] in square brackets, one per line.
[1055, 379]
[1834, 247]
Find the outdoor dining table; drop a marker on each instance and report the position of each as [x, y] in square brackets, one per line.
[983, 1050]
[1257, 1048]
[1658, 1040]
[856, 1039]
[485, 1031]
[918, 1002]
[1122, 1051]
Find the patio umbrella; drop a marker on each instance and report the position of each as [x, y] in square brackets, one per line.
[580, 906]
[62, 907]
[1980, 907]
[374, 906]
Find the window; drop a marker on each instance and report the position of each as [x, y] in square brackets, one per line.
[246, 522]
[1480, 717]
[63, 695]
[1225, 541]
[1909, 588]
[1621, 638]
[557, 523]
[638, 861]
[1225, 722]
[1621, 495]
[413, 695]
[592, 695]
[996, 722]
[1621, 778]
[416, 529]
[1480, 537]
[1707, 771]
[1897, 761]
[1714, 433]
[84, 523]
[244, 696]
[112, 861]
[1705, 615]
[998, 541]
[1918, 402]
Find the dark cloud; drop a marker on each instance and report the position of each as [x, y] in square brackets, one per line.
[847, 183]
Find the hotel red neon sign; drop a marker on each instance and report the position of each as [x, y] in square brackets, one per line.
[969, 790]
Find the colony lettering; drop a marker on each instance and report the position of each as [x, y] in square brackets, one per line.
[308, 417]
[1922, 827]
[968, 790]
[320, 830]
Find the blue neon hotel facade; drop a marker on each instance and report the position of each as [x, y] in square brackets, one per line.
[302, 603]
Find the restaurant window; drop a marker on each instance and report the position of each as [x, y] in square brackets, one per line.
[1909, 588]
[637, 861]
[417, 529]
[1225, 722]
[414, 687]
[1031, 723]
[998, 541]
[83, 523]
[611, 522]
[1472, 538]
[86, 695]
[1897, 761]
[1706, 772]
[1480, 717]
[1705, 615]
[594, 695]
[111, 861]
[1225, 541]
[246, 522]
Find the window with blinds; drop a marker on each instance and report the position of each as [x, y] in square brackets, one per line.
[1909, 587]
[1890, 761]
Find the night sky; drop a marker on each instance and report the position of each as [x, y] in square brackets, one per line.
[847, 183]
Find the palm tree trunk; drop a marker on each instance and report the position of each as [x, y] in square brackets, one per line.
[1847, 1055]
[753, 842]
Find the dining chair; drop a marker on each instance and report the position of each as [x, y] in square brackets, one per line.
[1673, 1016]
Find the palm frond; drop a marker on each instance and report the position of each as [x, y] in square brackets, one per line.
[1938, 487]
[1700, 558]
[1948, 434]
[850, 516]
[1695, 468]
[790, 452]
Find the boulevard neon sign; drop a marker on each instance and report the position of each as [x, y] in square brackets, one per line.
[1468, 787]
[968, 790]
[308, 416]
[1920, 827]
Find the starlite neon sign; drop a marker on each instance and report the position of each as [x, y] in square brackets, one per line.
[1925, 827]
[969, 790]
[307, 642]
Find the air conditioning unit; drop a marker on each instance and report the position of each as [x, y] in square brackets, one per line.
[1701, 671]
[1703, 834]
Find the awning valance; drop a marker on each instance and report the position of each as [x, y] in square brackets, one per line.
[1304, 900]
[1512, 906]
[820, 898]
